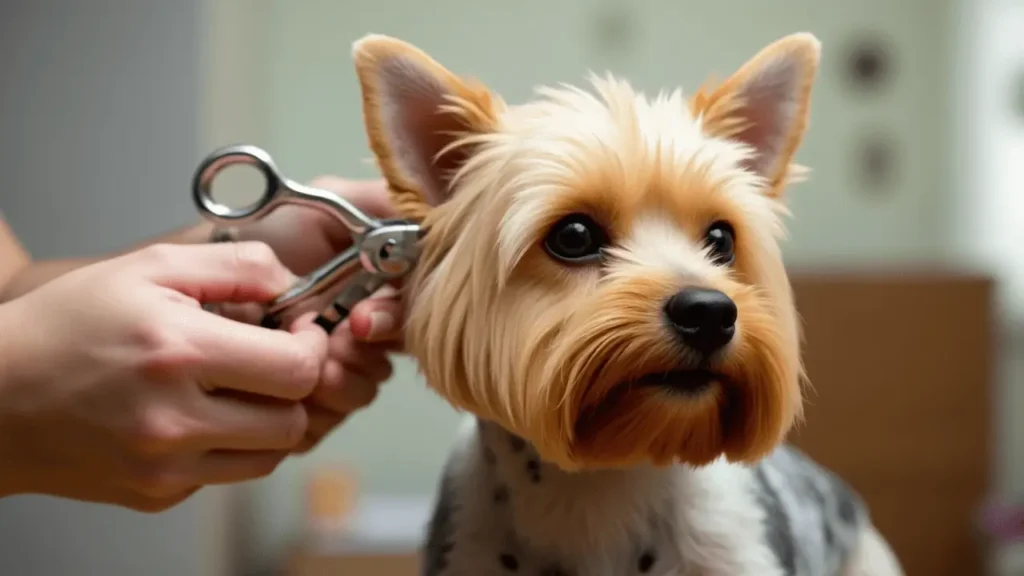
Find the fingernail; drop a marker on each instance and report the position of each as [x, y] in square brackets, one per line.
[385, 291]
[381, 323]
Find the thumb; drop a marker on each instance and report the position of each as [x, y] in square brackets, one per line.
[219, 272]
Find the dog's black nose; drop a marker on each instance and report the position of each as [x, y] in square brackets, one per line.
[704, 319]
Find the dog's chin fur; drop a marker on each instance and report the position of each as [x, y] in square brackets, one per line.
[554, 353]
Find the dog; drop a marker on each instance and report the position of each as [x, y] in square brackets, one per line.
[601, 288]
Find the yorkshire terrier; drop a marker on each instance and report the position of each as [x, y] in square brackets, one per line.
[602, 288]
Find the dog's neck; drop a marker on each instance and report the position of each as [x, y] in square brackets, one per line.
[596, 508]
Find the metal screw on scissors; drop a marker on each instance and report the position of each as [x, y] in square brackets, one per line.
[381, 250]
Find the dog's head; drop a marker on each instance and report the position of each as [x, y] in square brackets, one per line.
[601, 272]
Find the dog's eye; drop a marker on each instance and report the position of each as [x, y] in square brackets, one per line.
[722, 242]
[576, 239]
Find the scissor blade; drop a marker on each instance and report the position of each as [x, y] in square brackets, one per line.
[360, 287]
[317, 282]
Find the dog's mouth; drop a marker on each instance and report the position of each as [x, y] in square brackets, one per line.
[684, 382]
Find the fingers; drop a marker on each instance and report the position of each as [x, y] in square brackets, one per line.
[224, 467]
[249, 312]
[151, 504]
[375, 320]
[342, 390]
[133, 495]
[222, 272]
[352, 374]
[158, 486]
[350, 380]
[378, 318]
[370, 361]
[260, 361]
[244, 422]
[321, 422]
[367, 358]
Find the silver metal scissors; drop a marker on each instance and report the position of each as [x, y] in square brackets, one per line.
[382, 250]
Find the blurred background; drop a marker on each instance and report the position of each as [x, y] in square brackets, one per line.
[907, 246]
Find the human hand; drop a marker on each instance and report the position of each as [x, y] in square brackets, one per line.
[115, 386]
[304, 238]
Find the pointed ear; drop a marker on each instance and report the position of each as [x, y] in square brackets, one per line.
[765, 105]
[416, 112]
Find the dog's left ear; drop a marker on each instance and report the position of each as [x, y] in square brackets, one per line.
[766, 105]
[416, 113]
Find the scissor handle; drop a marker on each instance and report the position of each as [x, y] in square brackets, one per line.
[215, 163]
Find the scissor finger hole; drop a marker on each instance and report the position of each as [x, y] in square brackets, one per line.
[229, 178]
[239, 187]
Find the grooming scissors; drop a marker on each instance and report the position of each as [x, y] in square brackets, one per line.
[382, 250]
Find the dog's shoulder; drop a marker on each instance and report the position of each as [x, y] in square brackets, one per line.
[449, 501]
[440, 538]
[813, 518]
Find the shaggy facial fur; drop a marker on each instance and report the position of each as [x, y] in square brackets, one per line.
[578, 358]
[601, 286]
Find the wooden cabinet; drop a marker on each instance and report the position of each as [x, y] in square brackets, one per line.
[902, 367]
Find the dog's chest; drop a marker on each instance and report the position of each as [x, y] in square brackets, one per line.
[511, 513]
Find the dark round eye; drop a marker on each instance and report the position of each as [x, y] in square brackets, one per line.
[722, 242]
[576, 239]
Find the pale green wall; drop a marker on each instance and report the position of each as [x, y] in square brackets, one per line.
[314, 127]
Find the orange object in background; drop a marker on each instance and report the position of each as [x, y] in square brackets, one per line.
[349, 532]
[331, 496]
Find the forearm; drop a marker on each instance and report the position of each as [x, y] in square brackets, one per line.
[34, 274]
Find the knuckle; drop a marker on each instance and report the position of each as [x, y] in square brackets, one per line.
[158, 480]
[356, 395]
[165, 350]
[295, 429]
[257, 258]
[371, 395]
[168, 362]
[307, 444]
[319, 428]
[248, 313]
[387, 370]
[150, 336]
[267, 467]
[158, 431]
[306, 373]
[160, 254]
[300, 379]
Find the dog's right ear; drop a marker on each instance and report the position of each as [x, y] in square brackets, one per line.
[416, 114]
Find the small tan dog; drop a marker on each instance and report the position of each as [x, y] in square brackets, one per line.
[602, 288]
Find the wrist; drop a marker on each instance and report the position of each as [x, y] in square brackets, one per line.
[35, 275]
